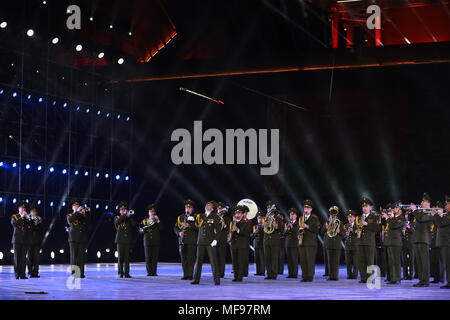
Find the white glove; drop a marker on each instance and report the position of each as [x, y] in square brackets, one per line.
[190, 218]
[214, 243]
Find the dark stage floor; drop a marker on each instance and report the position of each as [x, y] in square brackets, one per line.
[102, 283]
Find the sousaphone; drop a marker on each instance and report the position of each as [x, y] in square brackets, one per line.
[253, 208]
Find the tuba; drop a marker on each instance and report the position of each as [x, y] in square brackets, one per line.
[251, 205]
[335, 223]
[269, 218]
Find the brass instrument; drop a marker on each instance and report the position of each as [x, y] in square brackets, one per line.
[230, 234]
[187, 217]
[335, 223]
[301, 230]
[222, 221]
[269, 219]
[36, 219]
[151, 221]
[359, 228]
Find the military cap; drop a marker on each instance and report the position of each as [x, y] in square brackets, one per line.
[221, 204]
[390, 206]
[351, 212]
[245, 208]
[308, 203]
[151, 207]
[439, 205]
[366, 202]
[397, 204]
[269, 203]
[34, 207]
[426, 197]
[22, 204]
[122, 204]
[189, 203]
[293, 210]
[239, 208]
[214, 203]
[74, 202]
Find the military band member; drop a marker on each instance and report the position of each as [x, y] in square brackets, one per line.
[20, 239]
[79, 225]
[209, 225]
[324, 252]
[408, 247]
[272, 226]
[258, 244]
[393, 242]
[151, 228]
[367, 226]
[124, 225]
[422, 240]
[222, 211]
[291, 232]
[351, 249]
[35, 242]
[249, 222]
[442, 220]
[381, 258]
[187, 233]
[281, 252]
[239, 236]
[333, 234]
[311, 226]
[436, 264]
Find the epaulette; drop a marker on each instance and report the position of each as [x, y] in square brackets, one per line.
[246, 220]
[313, 215]
[15, 216]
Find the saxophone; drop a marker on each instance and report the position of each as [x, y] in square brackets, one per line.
[230, 234]
[301, 230]
[359, 228]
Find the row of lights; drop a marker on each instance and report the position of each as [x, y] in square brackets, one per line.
[65, 105]
[63, 171]
[53, 254]
[53, 203]
[55, 40]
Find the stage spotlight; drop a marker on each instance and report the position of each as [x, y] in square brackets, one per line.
[116, 254]
[99, 254]
[27, 200]
[79, 47]
[107, 115]
[91, 18]
[106, 207]
[78, 108]
[130, 33]
[120, 61]
[98, 174]
[1, 255]
[12, 250]
[118, 116]
[52, 255]
[101, 55]
[61, 251]
[407, 41]
[64, 171]
[86, 174]
[76, 172]
[1, 91]
[65, 105]
[3, 24]
[98, 112]
[87, 110]
[14, 200]
[51, 204]
[1, 199]
[64, 204]
[128, 118]
[111, 26]
[14, 94]
[54, 103]
[40, 100]
[29, 97]
[30, 32]
[27, 166]
[39, 168]
[51, 169]
[97, 206]
[117, 177]
[39, 202]
[127, 178]
[55, 40]
[107, 250]
[1, 163]
[106, 176]
[14, 165]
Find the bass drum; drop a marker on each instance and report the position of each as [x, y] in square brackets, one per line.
[253, 208]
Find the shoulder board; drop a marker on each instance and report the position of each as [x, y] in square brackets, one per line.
[15, 216]
[69, 214]
[313, 215]
[247, 220]
[181, 215]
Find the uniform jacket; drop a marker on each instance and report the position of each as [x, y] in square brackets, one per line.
[190, 233]
[258, 236]
[124, 226]
[443, 230]
[292, 235]
[151, 233]
[223, 233]
[208, 228]
[334, 242]
[350, 240]
[393, 235]
[310, 234]
[22, 227]
[368, 232]
[36, 232]
[423, 225]
[79, 227]
[240, 238]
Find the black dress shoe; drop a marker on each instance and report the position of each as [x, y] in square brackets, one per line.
[435, 281]
[235, 280]
[362, 281]
[393, 282]
[195, 282]
[267, 278]
[128, 276]
[17, 277]
[332, 279]
[149, 275]
[185, 278]
[421, 285]
[447, 286]
[409, 278]
[325, 275]
[82, 276]
[121, 275]
[303, 280]
[190, 278]
[217, 283]
[23, 277]
[34, 276]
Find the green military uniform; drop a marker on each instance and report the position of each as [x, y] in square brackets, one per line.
[408, 250]
[332, 244]
[272, 245]
[187, 244]
[20, 241]
[393, 243]
[281, 252]
[443, 241]
[239, 247]
[222, 242]
[34, 248]
[208, 228]
[291, 235]
[79, 227]
[151, 228]
[381, 256]
[422, 246]
[351, 249]
[308, 248]
[366, 242]
[124, 239]
[258, 245]
[436, 264]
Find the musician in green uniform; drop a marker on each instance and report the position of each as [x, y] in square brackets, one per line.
[309, 229]
[34, 248]
[222, 211]
[247, 254]
[282, 252]
[442, 220]
[239, 236]
[258, 245]
[367, 226]
[351, 249]
[209, 225]
[124, 225]
[151, 228]
[187, 233]
[333, 234]
[422, 240]
[393, 242]
[272, 227]
[436, 264]
[79, 226]
[291, 234]
[408, 246]
[20, 239]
